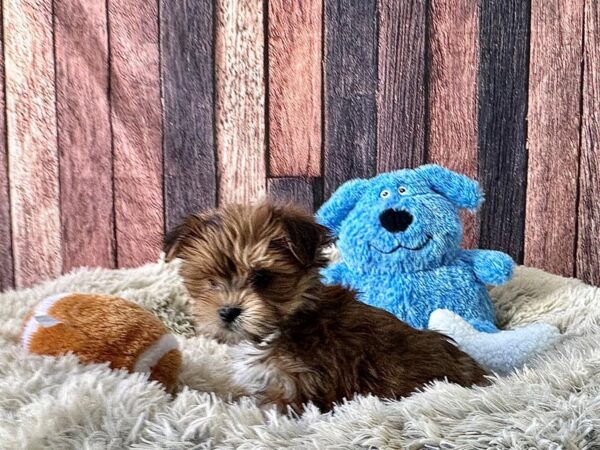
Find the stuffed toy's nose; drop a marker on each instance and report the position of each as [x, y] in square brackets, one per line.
[395, 221]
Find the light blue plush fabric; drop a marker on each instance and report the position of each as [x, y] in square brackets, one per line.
[399, 237]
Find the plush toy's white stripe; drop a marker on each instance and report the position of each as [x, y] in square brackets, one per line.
[152, 354]
[39, 317]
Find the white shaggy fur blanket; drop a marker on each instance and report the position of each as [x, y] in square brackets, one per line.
[57, 403]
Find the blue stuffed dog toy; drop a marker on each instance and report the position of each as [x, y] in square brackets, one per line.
[399, 237]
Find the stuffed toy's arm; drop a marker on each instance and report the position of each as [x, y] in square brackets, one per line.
[490, 266]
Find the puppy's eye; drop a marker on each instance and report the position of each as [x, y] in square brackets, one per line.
[261, 279]
[402, 190]
[212, 284]
[385, 193]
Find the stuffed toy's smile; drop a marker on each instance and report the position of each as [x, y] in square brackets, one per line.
[404, 247]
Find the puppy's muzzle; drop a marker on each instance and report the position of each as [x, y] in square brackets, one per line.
[229, 313]
[395, 220]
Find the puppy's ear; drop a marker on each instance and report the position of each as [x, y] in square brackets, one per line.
[305, 237]
[193, 226]
[333, 212]
[461, 190]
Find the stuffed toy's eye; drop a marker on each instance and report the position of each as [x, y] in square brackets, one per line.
[402, 190]
[384, 194]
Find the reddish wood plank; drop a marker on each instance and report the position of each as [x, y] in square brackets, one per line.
[553, 138]
[299, 191]
[31, 137]
[190, 183]
[502, 125]
[6, 258]
[136, 124]
[84, 137]
[401, 92]
[452, 137]
[240, 100]
[295, 87]
[588, 250]
[350, 61]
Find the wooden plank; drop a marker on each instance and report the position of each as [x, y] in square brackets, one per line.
[553, 137]
[31, 137]
[503, 78]
[588, 250]
[136, 124]
[350, 90]
[295, 41]
[187, 87]
[298, 191]
[452, 137]
[6, 252]
[240, 100]
[401, 98]
[84, 136]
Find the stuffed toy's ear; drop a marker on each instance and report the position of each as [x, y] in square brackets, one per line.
[334, 211]
[461, 190]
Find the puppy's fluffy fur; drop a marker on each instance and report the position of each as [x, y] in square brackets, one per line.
[299, 340]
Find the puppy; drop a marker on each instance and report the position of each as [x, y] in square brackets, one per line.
[253, 275]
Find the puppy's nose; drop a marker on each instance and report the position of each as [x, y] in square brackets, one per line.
[395, 221]
[229, 313]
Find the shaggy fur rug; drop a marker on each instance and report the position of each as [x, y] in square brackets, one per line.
[56, 403]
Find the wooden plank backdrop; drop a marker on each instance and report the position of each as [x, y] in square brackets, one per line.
[84, 133]
[119, 117]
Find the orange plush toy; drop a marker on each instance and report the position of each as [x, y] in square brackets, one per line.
[102, 328]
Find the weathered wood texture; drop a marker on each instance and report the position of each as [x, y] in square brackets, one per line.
[294, 58]
[503, 81]
[452, 137]
[240, 100]
[401, 93]
[187, 88]
[350, 61]
[31, 138]
[553, 134]
[6, 253]
[84, 136]
[588, 248]
[296, 190]
[136, 125]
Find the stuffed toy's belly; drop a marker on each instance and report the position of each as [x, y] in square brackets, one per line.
[412, 297]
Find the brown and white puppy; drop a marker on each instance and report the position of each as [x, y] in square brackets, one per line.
[253, 275]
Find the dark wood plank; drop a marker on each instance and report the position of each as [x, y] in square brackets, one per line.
[31, 137]
[136, 124]
[401, 98]
[295, 41]
[6, 252]
[452, 137]
[553, 134]
[350, 90]
[187, 87]
[503, 78]
[240, 101]
[588, 250]
[84, 136]
[296, 190]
